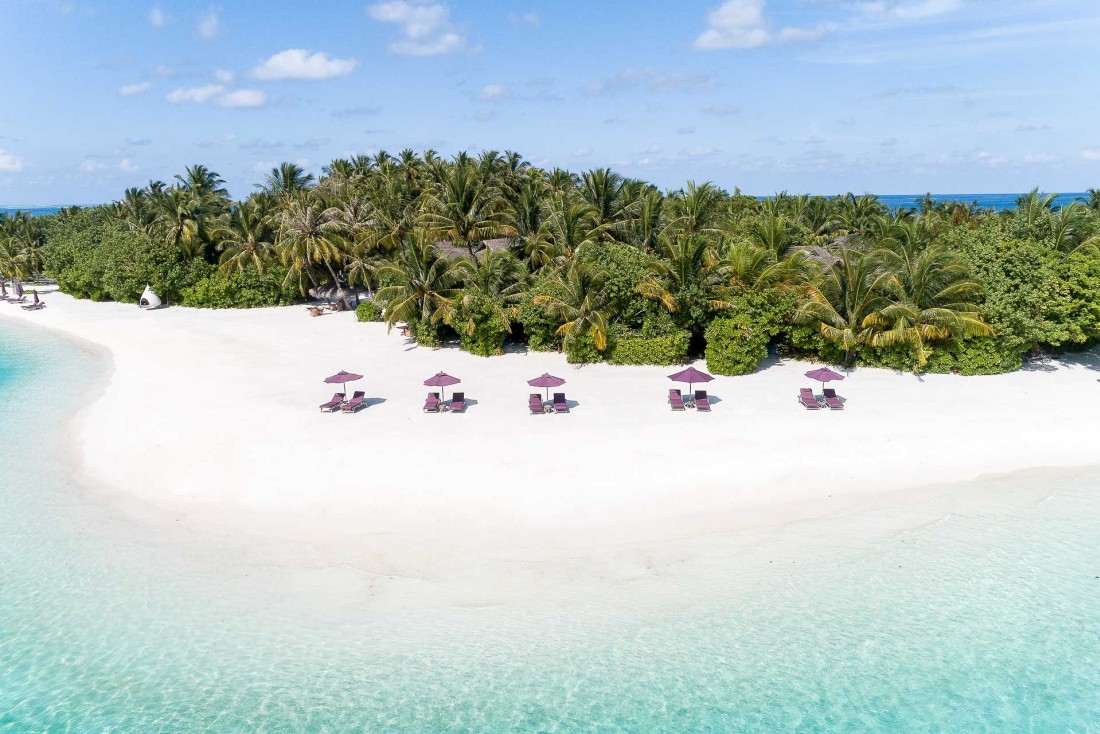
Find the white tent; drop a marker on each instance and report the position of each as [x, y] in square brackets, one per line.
[149, 300]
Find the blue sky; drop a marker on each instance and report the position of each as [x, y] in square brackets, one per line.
[819, 96]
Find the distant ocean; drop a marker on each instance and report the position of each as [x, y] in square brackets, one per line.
[33, 210]
[894, 201]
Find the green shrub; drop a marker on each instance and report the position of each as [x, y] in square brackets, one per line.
[634, 347]
[93, 255]
[736, 345]
[479, 324]
[980, 356]
[539, 328]
[234, 289]
[368, 311]
[582, 349]
[427, 334]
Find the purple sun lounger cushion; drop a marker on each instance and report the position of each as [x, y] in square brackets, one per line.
[806, 397]
[534, 403]
[431, 405]
[702, 402]
[336, 402]
[356, 402]
[675, 400]
[833, 400]
[458, 402]
[560, 405]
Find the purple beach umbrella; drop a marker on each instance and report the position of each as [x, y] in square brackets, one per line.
[442, 379]
[547, 381]
[690, 376]
[824, 375]
[342, 378]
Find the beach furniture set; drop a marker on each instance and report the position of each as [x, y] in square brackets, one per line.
[17, 295]
[536, 405]
[457, 403]
[828, 399]
[699, 401]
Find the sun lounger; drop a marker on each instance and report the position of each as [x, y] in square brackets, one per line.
[675, 400]
[358, 400]
[833, 400]
[34, 306]
[560, 404]
[431, 405]
[334, 404]
[534, 403]
[806, 397]
[458, 402]
[702, 402]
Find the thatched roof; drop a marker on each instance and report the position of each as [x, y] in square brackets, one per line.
[337, 291]
[446, 248]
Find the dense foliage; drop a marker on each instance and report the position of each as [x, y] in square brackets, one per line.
[483, 250]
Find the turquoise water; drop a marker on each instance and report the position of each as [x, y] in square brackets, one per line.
[970, 610]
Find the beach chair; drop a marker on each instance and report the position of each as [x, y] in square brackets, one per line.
[358, 400]
[833, 400]
[806, 397]
[702, 402]
[458, 402]
[560, 404]
[675, 400]
[431, 405]
[534, 403]
[334, 404]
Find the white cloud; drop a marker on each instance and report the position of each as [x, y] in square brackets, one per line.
[582, 153]
[129, 90]
[91, 166]
[265, 167]
[299, 63]
[426, 28]
[912, 9]
[210, 25]
[741, 24]
[494, 93]
[224, 76]
[197, 95]
[530, 18]
[9, 162]
[719, 110]
[656, 80]
[164, 70]
[217, 94]
[127, 166]
[243, 98]
[157, 17]
[1089, 154]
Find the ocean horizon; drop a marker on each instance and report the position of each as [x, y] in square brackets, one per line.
[997, 202]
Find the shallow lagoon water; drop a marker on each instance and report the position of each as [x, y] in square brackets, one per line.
[972, 609]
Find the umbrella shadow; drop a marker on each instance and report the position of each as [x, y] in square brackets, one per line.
[371, 402]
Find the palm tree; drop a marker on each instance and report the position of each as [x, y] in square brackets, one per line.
[287, 180]
[931, 298]
[1093, 201]
[497, 277]
[309, 236]
[181, 220]
[581, 304]
[1033, 205]
[247, 240]
[840, 301]
[463, 209]
[688, 272]
[425, 283]
[696, 209]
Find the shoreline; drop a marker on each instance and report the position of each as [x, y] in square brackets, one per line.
[210, 418]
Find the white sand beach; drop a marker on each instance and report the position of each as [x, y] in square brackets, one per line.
[212, 417]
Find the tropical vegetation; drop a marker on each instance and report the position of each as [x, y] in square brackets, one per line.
[488, 250]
